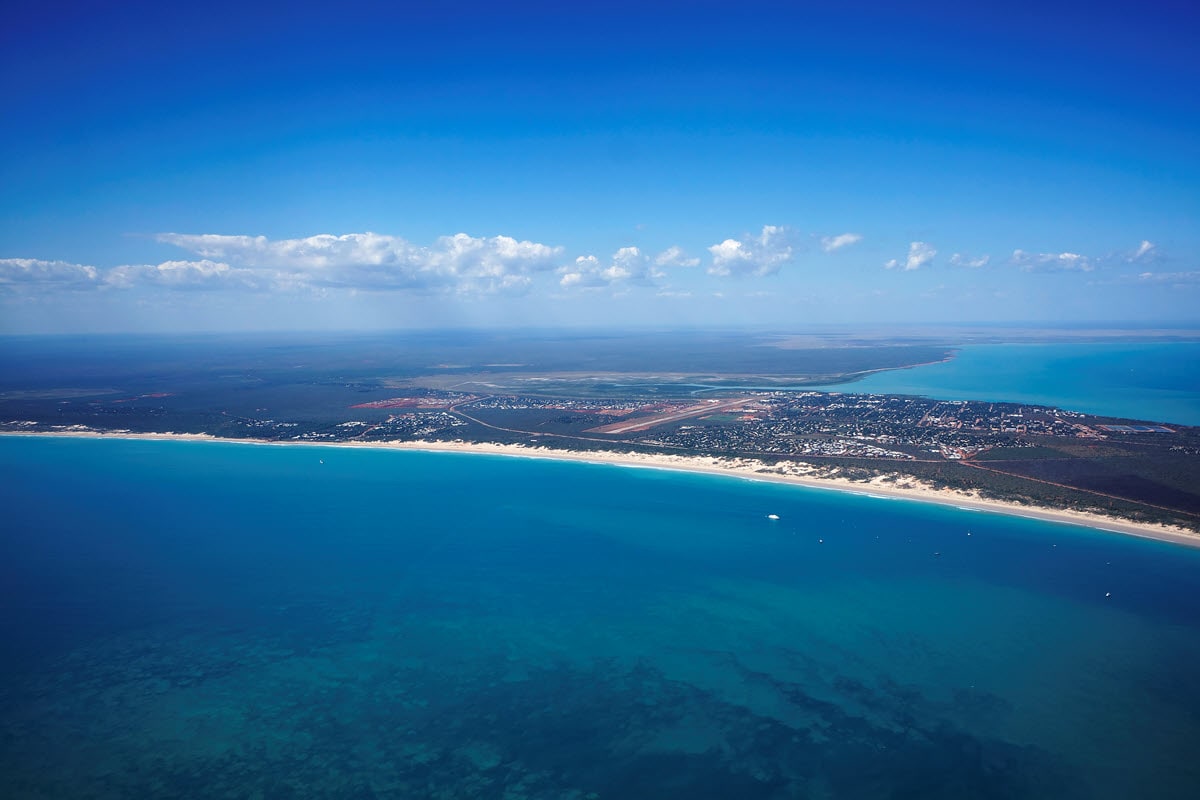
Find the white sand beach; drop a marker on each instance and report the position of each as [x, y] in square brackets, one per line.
[896, 485]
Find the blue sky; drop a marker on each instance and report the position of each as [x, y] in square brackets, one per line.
[248, 166]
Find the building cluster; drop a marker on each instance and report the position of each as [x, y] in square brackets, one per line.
[758, 438]
[878, 426]
[411, 425]
[754, 423]
[265, 425]
[414, 425]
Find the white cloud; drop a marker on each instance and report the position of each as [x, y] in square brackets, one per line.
[56, 274]
[629, 262]
[753, 255]
[1171, 278]
[919, 254]
[460, 262]
[32, 273]
[1146, 251]
[627, 265]
[675, 257]
[831, 243]
[498, 263]
[313, 252]
[1051, 262]
[580, 273]
[960, 260]
[188, 275]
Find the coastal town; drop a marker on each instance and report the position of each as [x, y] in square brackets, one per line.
[775, 423]
[759, 423]
[763, 422]
[1025, 453]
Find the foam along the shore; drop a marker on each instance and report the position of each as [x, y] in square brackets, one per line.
[893, 486]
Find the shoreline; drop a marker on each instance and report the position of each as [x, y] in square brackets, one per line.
[899, 487]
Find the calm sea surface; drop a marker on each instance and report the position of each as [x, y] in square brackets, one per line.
[217, 620]
[1154, 381]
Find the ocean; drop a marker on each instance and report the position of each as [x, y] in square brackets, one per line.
[192, 619]
[1155, 381]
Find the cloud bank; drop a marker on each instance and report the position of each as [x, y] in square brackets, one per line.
[372, 261]
[461, 264]
[35, 272]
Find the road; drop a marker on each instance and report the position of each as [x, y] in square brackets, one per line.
[645, 423]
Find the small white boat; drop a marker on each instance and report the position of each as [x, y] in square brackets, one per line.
[772, 516]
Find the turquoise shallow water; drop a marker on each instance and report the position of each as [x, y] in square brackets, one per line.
[1156, 381]
[218, 620]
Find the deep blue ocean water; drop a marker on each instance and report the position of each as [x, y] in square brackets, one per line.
[1155, 381]
[184, 619]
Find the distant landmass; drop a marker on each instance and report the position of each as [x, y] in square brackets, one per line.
[724, 395]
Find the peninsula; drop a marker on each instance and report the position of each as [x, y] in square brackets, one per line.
[733, 404]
